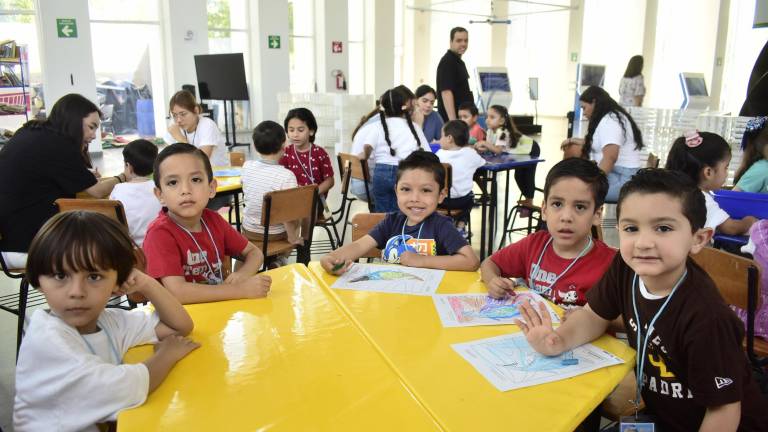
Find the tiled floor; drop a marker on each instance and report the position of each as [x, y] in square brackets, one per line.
[554, 131]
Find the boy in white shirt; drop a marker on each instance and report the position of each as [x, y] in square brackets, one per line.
[464, 160]
[137, 193]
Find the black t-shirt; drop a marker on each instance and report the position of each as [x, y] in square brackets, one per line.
[37, 166]
[435, 236]
[452, 75]
[694, 359]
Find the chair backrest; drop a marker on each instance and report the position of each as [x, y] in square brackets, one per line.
[359, 167]
[362, 223]
[111, 208]
[448, 179]
[289, 205]
[652, 162]
[236, 158]
[345, 170]
[730, 273]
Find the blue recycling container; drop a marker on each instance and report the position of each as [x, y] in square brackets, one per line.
[145, 117]
[739, 204]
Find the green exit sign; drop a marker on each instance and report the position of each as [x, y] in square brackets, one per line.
[273, 41]
[66, 27]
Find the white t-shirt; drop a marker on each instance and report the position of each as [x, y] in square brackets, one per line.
[464, 162]
[61, 385]
[609, 131]
[629, 88]
[400, 136]
[715, 215]
[207, 133]
[258, 178]
[141, 206]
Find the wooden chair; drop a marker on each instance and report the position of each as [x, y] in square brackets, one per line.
[447, 186]
[236, 159]
[652, 162]
[287, 205]
[737, 280]
[358, 171]
[362, 223]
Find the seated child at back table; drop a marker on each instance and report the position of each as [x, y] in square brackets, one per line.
[694, 374]
[563, 262]
[187, 244]
[416, 235]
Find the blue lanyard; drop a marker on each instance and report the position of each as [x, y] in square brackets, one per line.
[402, 233]
[118, 359]
[642, 344]
[214, 278]
[536, 266]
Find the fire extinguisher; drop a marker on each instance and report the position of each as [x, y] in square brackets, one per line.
[341, 82]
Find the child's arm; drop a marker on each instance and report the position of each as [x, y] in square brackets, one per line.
[338, 261]
[325, 185]
[167, 352]
[737, 226]
[187, 292]
[498, 286]
[465, 259]
[721, 418]
[253, 259]
[582, 326]
[174, 319]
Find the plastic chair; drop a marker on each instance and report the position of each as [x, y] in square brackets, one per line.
[287, 205]
[362, 224]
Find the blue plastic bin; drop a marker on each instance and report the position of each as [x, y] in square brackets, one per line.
[145, 117]
[740, 204]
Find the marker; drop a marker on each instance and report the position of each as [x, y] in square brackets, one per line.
[337, 267]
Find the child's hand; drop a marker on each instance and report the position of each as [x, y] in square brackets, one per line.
[500, 287]
[137, 281]
[335, 266]
[235, 278]
[538, 330]
[175, 347]
[256, 286]
[411, 259]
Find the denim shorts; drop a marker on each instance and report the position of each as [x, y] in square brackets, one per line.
[384, 179]
[616, 179]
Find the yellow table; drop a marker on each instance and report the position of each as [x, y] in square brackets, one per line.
[409, 333]
[290, 362]
[229, 185]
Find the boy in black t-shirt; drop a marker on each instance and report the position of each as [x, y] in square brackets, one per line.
[695, 375]
[415, 236]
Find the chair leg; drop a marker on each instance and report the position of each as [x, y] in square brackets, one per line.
[23, 292]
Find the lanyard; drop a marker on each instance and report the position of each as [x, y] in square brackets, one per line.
[402, 233]
[213, 278]
[308, 174]
[118, 359]
[186, 136]
[536, 266]
[642, 344]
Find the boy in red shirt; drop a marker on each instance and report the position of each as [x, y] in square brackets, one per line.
[563, 262]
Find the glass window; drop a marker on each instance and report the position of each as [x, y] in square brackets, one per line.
[19, 24]
[301, 46]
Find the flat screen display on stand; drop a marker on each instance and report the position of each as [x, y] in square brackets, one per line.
[221, 76]
[493, 87]
[494, 81]
[695, 94]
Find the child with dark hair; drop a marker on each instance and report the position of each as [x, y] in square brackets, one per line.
[704, 157]
[266, 175]
[416, 235]
[310, 163]
[563, 262]
[425, 103]
[468, 113]
[752, 175]
[137, 193]
[690, 366]
[70, 374]
[388, 142]
[464, 160]
[186, 244]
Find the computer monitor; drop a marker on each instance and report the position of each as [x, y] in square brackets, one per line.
[533, 88]
[493, 87]
[494, 81]
[695, 95]
[696, 86]
[591, 75]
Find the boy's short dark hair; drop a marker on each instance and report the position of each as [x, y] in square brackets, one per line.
[268, 137]
[181, 148]
[458, 130]
[673, 183]
[141, 154]
[423, 160]
[468, 106]
[80, 241]
[584, 170]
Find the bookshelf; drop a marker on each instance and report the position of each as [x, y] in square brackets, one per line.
[14, 80]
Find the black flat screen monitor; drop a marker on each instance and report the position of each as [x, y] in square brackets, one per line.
[221, 76]
[696, 86]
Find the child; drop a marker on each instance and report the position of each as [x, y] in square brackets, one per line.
[186, 244]
[263, 176]
[137, 193]
[468, 114]
[70, 374]
[563, 262]
[503, 137]
[752, 175]
[692, 371]
[704, 158]
[308, 162]
[464, 160]
[415, 236]
[391, 139]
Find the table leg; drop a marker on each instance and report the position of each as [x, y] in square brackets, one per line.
[483, 221]
[492, 215]
[237, 211]
[506, 210]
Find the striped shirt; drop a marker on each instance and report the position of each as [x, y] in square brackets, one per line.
[259, 178]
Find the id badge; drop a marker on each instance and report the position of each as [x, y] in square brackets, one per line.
[639, 423]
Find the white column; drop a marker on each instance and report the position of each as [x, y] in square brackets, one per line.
[269, 66]
[67, 63]
[720, 46]
[417, 43]
[185, 36]
[331, 26]
[380, 44]
[499, 35]
[649, 47]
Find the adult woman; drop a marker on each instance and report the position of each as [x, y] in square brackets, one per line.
[632, 86]
[190, 127]
[45, 161]
[433, 123]
[613, 139]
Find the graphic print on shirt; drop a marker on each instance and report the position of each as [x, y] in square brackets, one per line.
[196, 265]
[398, 244]
[569, 296]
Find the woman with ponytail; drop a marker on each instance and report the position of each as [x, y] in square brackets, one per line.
[388, 141]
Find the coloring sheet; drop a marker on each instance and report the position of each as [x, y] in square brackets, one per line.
[390, 279]
[466, 310]
[509, 363]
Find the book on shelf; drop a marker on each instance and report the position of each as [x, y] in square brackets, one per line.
[9, 51]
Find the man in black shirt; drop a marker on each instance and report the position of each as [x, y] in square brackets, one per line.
[452, 76]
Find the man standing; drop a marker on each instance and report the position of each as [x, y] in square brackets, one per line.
[452, 76]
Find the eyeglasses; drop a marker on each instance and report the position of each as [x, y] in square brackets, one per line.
[180, 115]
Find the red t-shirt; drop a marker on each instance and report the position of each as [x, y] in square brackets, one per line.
[517, 260]
[170, 251]
[318, 167]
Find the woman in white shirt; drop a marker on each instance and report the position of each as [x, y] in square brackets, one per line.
[613, 139]
[632, 85]
[190, 127]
